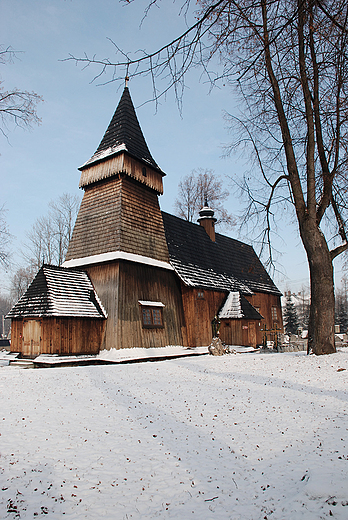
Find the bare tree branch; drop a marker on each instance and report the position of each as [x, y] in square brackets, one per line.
[16, 106]
[48, 239]
[288, 61]
[5, 238]
[197, 188]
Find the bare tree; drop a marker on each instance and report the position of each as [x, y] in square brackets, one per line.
[202, 186]
[186, 201]
[20, 281]
[5, 306]
[16, 106]
[47, 241]
[40, 243]
[63, 213]
[288, 60]
[5, 238]
[49, 237]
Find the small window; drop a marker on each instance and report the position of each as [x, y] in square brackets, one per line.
[144, 171]
[147, 319]
[151, 314]
[152, 317]
[200, 295]
[274, 314]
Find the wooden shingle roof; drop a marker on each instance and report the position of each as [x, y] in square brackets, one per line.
[225, 265]
[59, 292]
[123, 135]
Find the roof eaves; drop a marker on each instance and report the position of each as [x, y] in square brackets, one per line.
[64, 293]
[100, 157]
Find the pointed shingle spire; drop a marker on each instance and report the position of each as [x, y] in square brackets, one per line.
[123, 135]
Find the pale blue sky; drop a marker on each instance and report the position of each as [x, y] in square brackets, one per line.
[37, 166]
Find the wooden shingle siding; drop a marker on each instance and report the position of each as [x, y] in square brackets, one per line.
[142, 230]
[119, 215]
[57, 336]
[97, 227]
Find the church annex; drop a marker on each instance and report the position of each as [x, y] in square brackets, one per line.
[157, 280]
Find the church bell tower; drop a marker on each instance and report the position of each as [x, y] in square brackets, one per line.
[119, 238]
[120, 210]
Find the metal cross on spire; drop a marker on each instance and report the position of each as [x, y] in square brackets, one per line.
[126, 79]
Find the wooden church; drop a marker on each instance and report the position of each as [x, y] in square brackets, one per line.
[157, 280]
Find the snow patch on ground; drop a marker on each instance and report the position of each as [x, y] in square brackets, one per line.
[248, 437]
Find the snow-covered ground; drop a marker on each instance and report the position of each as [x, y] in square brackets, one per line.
[246, 436]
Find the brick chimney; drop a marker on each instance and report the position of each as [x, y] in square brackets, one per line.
[207, 220]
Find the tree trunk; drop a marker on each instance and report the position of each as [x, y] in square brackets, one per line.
[321, 328]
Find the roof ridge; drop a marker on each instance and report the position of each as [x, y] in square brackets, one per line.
[226, 264]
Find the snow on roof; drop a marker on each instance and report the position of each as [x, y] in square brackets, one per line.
[57, 291]
[195, 276]
[117, 255]
[102, 154]
[298, 299]
[123, 134]
[226, 264]
[150, 303]
[237, 306]
[232, 307]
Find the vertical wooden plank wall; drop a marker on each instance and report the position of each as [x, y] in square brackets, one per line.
[142, 282]
[105, 279]
[16, 335]
[59, 336]
[199, 313]
[265, 302]
[120, 285]
[241, 332]
[71, 335]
